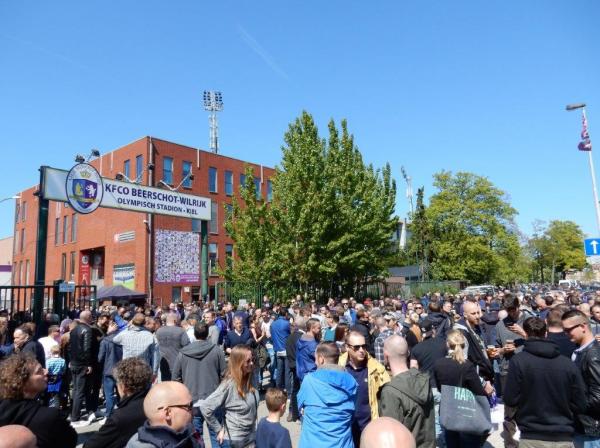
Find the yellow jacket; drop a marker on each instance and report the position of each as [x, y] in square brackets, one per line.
[377, 377]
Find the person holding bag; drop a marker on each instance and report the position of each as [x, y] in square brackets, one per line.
[238, 400]
[464, 409]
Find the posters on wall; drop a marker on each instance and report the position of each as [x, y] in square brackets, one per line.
[176, 257]
[124, 274]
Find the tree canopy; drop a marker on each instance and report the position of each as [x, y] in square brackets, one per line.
[330, 219]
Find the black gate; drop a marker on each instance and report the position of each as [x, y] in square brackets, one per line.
[18, 300]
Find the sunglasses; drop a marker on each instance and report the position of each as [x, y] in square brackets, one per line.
[570, 329]
[418, 307]
[357, 347]
[186, 407]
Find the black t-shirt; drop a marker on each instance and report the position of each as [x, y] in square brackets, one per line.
[426, 353]
[272, 435]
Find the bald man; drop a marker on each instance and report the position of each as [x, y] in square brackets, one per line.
[470, 326]
[407, 397]
[17, 436]
[168, 408]
[385, 432]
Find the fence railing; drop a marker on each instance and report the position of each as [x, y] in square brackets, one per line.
[19, 299]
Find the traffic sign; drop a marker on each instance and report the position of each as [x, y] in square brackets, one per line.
[592, 246]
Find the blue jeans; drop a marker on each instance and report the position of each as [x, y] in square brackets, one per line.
[198, 422]
[272, 365]
[109, 386]
[583, 441]
[283, 374]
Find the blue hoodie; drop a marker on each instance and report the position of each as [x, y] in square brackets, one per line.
[305, 356]
[328, 397]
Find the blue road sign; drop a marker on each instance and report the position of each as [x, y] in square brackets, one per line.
[592, 247]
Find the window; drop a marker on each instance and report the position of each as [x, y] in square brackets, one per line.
[187, 169]
[212, 180]
[73, 228]
[72, 269]
[127, 168]
[168, 170]
[269, 191]
[56, 231]
[196, 225]
[212, 258]
[15, 272]
[17, 213]
[139, 167]
[16, 243]
[65, 229]
[21, 279]
[24, 211]
[242, 181]
[22, 242]
[63, 266]
[257, 187]
[229, 255]
[27, 270]
[213, 226]
[228, 183]
[176, 294]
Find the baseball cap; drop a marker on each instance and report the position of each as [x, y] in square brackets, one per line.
[426, 327]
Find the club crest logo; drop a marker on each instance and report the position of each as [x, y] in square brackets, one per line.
[84, 188]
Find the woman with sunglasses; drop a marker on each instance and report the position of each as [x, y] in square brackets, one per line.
[238, 400]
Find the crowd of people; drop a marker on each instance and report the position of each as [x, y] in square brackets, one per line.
[387, 372]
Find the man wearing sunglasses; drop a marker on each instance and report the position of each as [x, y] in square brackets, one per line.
[370, 375]
[168, 407]
[587, 358]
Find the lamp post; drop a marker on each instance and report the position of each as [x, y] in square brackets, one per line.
[571, 107]
[9, 198]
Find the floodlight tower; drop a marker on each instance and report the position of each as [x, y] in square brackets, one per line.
[213, 103]
[409, 192]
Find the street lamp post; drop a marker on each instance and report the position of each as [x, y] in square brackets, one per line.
[571, 107]
[9, 198]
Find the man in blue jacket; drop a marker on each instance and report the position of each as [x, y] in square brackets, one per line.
[305, 348]
[326, 400]
[280, 331]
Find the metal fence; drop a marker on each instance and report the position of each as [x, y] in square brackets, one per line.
[250, 293]
[19, 299]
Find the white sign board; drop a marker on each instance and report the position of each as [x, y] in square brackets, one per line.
[66, 287]
[132, 197]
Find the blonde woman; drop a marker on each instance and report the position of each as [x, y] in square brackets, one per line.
[238, 400]
[455, 370]
[413, 321]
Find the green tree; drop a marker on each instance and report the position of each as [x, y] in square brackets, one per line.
[558, 248]
[330, 220]
[418, 250]
[473, 230]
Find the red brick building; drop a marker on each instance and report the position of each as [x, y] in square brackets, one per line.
[111, 246]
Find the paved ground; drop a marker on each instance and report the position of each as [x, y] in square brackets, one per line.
[493, 441]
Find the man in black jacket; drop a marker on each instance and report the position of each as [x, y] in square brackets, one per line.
[545, 388]
[476, 350]
[587, 359]
[82, 363]
[290, 350]
[134, 378]
[363, 326]
[24, 343]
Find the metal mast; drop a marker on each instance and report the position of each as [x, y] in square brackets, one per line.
[213, 103]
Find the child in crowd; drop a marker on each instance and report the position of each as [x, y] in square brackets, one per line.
[270, 433]
[56, 369]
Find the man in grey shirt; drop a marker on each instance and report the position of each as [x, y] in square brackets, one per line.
[210, 318]
[171, 338]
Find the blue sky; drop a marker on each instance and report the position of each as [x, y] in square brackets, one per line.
[474, 86]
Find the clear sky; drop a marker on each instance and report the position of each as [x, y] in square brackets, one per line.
[476, 86]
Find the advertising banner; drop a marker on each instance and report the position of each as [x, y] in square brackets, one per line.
[124, 274]
[176, 257]
[121, 195]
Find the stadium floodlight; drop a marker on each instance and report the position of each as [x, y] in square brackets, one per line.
[213, 103]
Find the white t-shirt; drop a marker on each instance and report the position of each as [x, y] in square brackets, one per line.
[47, 342]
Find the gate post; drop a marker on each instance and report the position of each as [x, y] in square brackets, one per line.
[40, 252]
